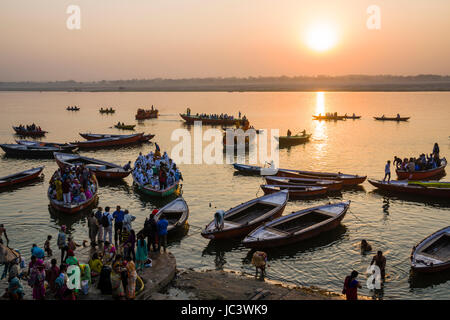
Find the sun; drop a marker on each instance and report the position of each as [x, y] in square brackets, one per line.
[321, 37]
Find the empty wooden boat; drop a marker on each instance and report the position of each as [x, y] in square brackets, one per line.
[286, 141]
[65, 147]
[422, 188]
[96, 136]
[176, 213]
[20, 177]
[102, 169]
[392, 118]
[110, 142]
[433, 253]
[22, 151]
[424, 174]
[297, 226]
[254, 170]
[73, 207]
[347, 179]
[242, 219]
[295, 192]
[331, 185]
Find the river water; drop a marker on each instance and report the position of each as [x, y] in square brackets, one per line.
[391, 224]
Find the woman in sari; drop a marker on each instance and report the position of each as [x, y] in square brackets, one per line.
[141, 252]
[132, 276]
[38, 280]
[71, 259]
[116, 282]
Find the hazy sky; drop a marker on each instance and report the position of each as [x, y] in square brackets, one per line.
[125, 39]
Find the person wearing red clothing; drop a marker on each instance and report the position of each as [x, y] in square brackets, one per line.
[351, 286]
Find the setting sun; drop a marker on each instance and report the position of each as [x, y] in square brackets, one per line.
[321, 37]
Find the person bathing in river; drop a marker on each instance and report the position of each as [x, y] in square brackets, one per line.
[380, 261]
[387, 171]
[351, 286]
[365, 246]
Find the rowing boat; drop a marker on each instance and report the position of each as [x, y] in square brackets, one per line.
[176, 213]
[347, 179]
[73, 109]
[26, 133]
[148, 190]
[392, 118]
[125, 126]
[102, 169]
[96, 136]
[146, 114]
[423, 174]
[242, 219]
[433, 253]
[423, 188]
[328, 117]
[297, 226]
[213, 121]
[66, 147]
[20, 177]
[295, 192]
[22, 151]
[286, 141]
[331, 185]
[352, 117]
[73, 208]
[110, 142]
[106, 110]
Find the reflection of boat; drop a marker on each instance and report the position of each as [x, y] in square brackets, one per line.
[176, 213]
[110, 142]
[423, 188]
[424, 174]
[285, 141]
[75, 207]
[96, 136]
[102, 169]
[392, 118]
[213, 121]
[433, 253]
[331, 185]
[297, 226]
[347, 179]
[22, 151]
[20, 177]
[242, 219]
[295, 192]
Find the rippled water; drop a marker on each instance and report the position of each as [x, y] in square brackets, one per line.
[391, 224]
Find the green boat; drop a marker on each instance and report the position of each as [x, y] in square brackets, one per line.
[146, 189]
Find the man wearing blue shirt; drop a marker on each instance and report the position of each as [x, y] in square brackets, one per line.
[37, 252]
[118, 224]
[162, 232]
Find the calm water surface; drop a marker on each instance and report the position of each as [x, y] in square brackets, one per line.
[391, 224]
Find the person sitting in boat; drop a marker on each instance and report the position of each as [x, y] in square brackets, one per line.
[304, 132]
[411, 167]
[289, 133]
[398, 115]
[436, 150]
[219, 219]
[383, 116]
[365, 246]
[354, 116]
[397, 162]
[127, 167]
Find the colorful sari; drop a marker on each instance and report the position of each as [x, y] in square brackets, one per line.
[116, 282]
[132, 277]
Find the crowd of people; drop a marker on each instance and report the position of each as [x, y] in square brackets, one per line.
[107, 109]
[222, 116]
[72, 185]
[156, 171]
[30, 128]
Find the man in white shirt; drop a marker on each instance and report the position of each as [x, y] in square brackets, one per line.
[387, 171]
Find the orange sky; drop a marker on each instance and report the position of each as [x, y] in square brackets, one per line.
[200, 38]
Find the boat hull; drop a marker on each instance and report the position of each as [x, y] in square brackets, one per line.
[11, 181]
[109, 142]
[330, 184]
[391, 119]
[217, 122]
[347, 181]
[294, 193]
[415, 190]
[420, 175]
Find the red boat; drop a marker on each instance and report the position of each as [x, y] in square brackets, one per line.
[110, 142]
[101, 168]
[423, 188]
[295, 192]
[29, 133]
[420, 175]
[75, 207]
[20, 177]
[146, 114]
[331, 185]
[347, 179]
[240, 220]
[96, 136]
[212, 121]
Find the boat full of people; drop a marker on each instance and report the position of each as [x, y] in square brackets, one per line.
[422, 167]
[29, 130]
[328, 116]
[151, 113]
[214, 119]
[106, 110]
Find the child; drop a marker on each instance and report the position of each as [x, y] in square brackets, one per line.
[47, 249]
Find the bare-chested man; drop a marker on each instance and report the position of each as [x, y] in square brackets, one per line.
[380, 261]
[3, 231]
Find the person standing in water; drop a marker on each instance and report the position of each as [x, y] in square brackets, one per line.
[387, 171]
[380, 262]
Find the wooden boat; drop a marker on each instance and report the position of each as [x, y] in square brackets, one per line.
[297, 226]
[146, 114]
[347, 179]
[28, 133]
[125, 126]
[110, 142]
[106, 110]
[325, 117]
[75, 207]
[102, 169]
[65, 147]
[242, 219]
[148, 190]
[392, 118]
[432, 254]
[352, 117]
[176, 212]
[423, 188]
[424, 174]
[72, 109]
[211, 121]
[295, 192]
[20, 177]
[254, 170]
[285, 141]
[96, 136]
[22, 151]
[331, 185]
